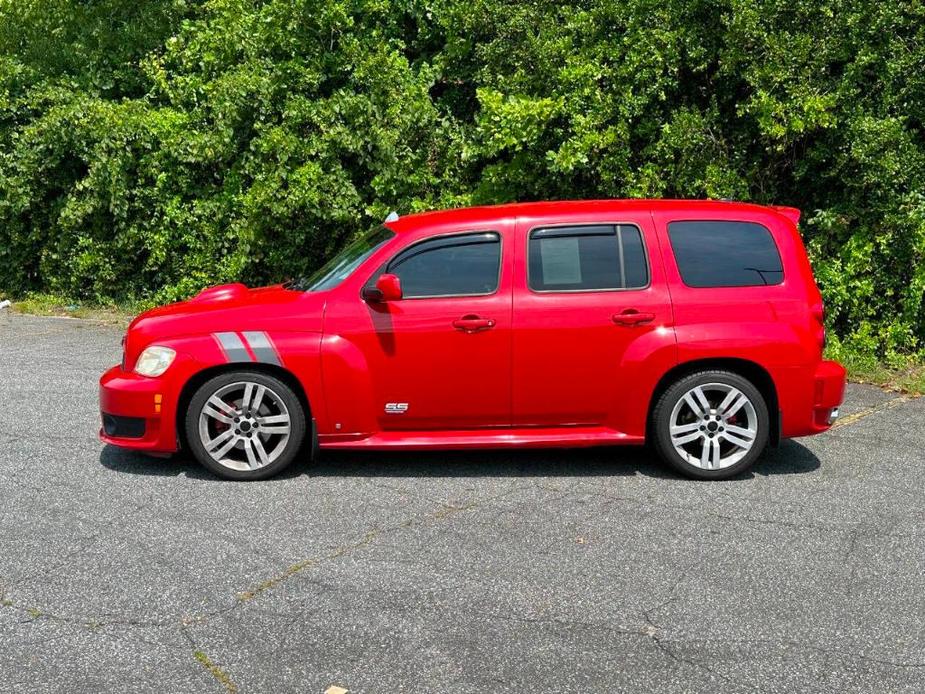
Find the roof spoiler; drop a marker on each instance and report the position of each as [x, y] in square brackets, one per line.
[791, 213]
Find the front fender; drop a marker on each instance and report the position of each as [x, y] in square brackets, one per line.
[349, 397]
[125, 393]
[297, 353]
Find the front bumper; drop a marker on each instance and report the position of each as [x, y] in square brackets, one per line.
[140, 412]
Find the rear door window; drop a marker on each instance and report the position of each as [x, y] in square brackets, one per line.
[725, 254]
[587, 258]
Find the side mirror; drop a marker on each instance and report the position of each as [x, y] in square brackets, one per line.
[388, 288]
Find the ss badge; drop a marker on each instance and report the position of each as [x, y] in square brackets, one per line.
[396, 407]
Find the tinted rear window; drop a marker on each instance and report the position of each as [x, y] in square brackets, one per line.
[725, 254]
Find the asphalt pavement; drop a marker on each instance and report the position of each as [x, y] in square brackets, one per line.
[514, 571]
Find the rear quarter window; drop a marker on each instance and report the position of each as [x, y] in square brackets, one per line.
[725, 254]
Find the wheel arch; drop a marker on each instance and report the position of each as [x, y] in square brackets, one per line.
[197, 379]
[754, 372]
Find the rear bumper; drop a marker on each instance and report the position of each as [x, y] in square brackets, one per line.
[828, 393]
[809, 397]
[139, 412]
[814, 403]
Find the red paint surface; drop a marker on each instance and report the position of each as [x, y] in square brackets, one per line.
[552, 369]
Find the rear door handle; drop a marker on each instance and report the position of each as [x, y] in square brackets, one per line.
[473, 323]
[632, 317]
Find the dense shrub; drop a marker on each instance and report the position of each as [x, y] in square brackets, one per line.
[150, 147]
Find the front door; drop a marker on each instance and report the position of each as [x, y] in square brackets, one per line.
[590, 311]
[440, 357]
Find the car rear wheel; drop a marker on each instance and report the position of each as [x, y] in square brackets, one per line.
[245, 425]
[711, 425]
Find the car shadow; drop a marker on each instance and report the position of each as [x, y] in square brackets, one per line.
[180, 464]
[791, 458]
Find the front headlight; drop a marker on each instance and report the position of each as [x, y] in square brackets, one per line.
[154, 361]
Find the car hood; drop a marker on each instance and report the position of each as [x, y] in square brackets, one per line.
[229, 307]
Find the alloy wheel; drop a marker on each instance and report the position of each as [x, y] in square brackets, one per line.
[713, 426]
[244, 426]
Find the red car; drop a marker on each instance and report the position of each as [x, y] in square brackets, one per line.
[695, 326]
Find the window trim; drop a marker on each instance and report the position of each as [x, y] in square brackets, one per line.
[573, 225]
[674, 257]
[470, 232]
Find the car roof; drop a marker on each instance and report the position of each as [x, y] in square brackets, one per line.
[489, 213]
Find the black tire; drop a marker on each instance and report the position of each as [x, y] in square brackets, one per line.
[661, 425]
[277, 390]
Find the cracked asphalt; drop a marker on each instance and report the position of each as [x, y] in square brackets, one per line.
[538, 571]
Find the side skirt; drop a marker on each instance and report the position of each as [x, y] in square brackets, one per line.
[552, 437]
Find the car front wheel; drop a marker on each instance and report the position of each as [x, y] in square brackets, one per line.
[711, 425]
[245, 425]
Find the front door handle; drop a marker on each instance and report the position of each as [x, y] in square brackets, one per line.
[632, 317]
[473, 323]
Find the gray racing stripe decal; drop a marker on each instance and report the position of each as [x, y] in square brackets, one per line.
[262, 348]
[233, 347]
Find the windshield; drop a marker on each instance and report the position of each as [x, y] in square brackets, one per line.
[338, 268]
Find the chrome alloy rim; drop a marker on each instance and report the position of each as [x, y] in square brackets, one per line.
[713, 426]
[244, 426]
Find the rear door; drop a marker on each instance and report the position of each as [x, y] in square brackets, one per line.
[590, 310]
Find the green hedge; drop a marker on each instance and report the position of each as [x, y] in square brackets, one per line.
[149, 148]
